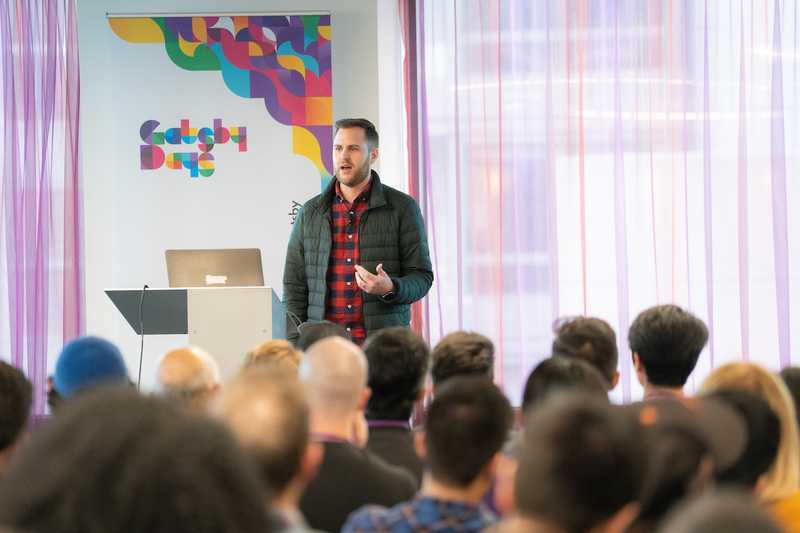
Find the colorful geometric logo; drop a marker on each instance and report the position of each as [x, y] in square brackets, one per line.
[283, 60]
[199, 163]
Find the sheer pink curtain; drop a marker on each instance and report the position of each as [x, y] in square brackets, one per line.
[40, 237]
[599, 157]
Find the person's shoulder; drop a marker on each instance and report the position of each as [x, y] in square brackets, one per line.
[377, 518]
[367, 465]
[315, 202]
[397, 197]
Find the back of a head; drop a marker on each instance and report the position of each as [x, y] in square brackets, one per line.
[466, 425]
[398, 360]
[267, 411]
[462, 353]
[334, 373]
[561, 374]
[311, 332]
[87, 362]
[142, 466]
[590, 339]
[668, 341]
[683, 440]
[188, 375]
[16, 397]
[763, 438]
[720, 512]
[580, 462]
[783, 477]
[275, 352]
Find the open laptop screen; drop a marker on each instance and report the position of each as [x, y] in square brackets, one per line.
[240, 267]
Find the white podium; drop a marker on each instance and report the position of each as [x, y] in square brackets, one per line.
[225, 321]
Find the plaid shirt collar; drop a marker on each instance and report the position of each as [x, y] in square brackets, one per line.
[376, 198]
[337, 191]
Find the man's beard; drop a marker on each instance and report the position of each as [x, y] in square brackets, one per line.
[360, 177]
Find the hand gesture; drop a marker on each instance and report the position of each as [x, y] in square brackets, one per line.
[378, 284]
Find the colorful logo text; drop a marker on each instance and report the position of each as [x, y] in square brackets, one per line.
[200, 162]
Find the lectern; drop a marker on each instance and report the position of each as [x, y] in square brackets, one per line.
[225, 321]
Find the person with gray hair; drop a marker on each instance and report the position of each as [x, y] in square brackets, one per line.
[334, 373]
[190, 376]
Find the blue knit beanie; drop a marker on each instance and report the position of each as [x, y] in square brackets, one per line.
[87, 362]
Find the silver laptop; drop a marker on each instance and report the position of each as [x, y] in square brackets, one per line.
[239, 267]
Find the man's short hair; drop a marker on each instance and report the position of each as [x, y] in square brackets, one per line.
[16, 397]
[268, 412]
[370, 132]
[590, 339]
[561, 374]
[764, 437]
[668, 341]
[116, 461]
[580, 461]
[311, 332]
[398, 360]
[462, 353]
[466, 425]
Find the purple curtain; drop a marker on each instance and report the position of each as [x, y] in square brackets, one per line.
[599, 157]
[40, 219]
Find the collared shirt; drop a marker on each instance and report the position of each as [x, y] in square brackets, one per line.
[345, 300]
[421, 515]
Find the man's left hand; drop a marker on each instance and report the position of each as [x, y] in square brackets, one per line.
[378, 284]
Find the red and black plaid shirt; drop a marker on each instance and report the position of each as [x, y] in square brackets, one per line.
[345, 301]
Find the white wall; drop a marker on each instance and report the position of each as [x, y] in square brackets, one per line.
[114, 214]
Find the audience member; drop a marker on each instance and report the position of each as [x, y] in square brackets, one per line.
[16, 397]
[561, 374]
[334, 372]
[780, 486]
[462, 353]
[580, 468]
[85, 363]
[268, 412]
[666, 342]
[554, 375]
[275, 352]
[311, 332]
[720, 512]
[783, 478]
[398, 360]
[763, 431]
[114, 461]
[188, 376]
[592, 340]
[684, 441]
[467, 424]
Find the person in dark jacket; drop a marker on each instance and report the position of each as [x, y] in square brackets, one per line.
[398, 361]
[358, 252]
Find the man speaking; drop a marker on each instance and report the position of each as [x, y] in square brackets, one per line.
[358, 253]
